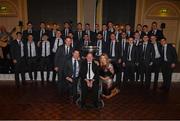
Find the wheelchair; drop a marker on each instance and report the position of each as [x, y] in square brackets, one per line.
[100, 101]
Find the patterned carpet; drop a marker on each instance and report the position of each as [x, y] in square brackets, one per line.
[42, 102]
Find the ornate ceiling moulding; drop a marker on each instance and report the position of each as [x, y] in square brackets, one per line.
[7, 8]
[162, 10]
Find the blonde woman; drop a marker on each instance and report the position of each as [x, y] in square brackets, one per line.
[106, 73]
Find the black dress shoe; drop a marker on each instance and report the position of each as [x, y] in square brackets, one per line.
[96, 105]
[83, 106]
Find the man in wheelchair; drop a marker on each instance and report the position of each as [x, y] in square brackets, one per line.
[89, 80]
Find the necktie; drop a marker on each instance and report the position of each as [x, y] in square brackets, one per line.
[78, 35]
[104, 35]
[74, 68]
[144, 51]
[163, 52]
[58, 43]
[19, 43]
[41, 34]
[30, 49]
[129, 49]
[45, 49]
[98, 44]
[111, 48]
[89, 72]
[67, 50]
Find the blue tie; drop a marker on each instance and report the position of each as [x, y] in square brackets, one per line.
[74, 69]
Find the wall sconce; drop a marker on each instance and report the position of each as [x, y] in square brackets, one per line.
[163, 11]
[3, 9]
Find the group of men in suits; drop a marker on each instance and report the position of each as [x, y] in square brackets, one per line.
[137, 54]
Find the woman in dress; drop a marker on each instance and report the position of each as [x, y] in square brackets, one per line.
[106, 73]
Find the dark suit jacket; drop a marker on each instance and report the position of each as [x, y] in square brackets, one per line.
[158, 34]
[34, 33]
[61, 57]
[149, 56]
[92, 35]
[16, 50]
[39, 50]
[117, 51]
[63, 32]
[38, 34]
[159, 48]
[104, 46]
[68, 69]
[119, 35]
[142, 34]
[131, 34]
[26, 49]
[76, 44]
[107, 41]
[171, 54]
[121, 48]
[84, 70]
[76, 35]
[133, 54]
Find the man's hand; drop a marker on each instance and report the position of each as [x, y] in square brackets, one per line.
[151, 63]
[69, 79]
[119, 61]
[173, 65]
[56, 68]
[14, 61]
[124, 65]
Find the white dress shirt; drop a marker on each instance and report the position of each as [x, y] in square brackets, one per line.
[157, 54]
[47, 53]
[22, 47]
[91, 76]
[165, 52]
[99, 45]
[57, 44]
[77, 67]
[32, 51]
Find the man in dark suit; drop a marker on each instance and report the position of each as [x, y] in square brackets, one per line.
[157, 60]
[146, 59]
[155, 31]
[145, 30]
[106, 34]
[128, 30]
[110, 26]
[114, 53]
[102, 48]
[78, 34]
[63, 53]
[97, 29]
[66, 30]
[52, 32]
[30, 30]
[42, 31]
[56, 42]
[86, 42]
[137, 41]
[92, 35]
[18, 57]
[129, 60]
[169, 60]
[117, 32]
[71, 72]
[31, 57]
[122, 46]
[140, 31]
[89, 79]
[74, 43]
[44, 47]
